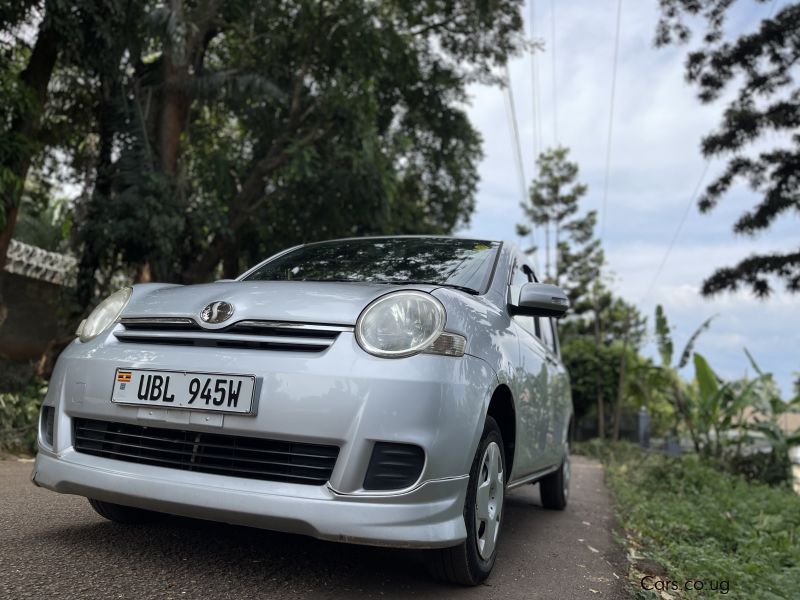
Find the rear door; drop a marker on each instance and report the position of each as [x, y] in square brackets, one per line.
[558, 408]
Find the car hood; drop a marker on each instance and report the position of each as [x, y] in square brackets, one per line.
[325, 302]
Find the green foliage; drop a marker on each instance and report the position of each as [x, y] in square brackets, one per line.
[19, 414]
[663, 337]
[701, 523]
[45, 224]
[350, 123]
[16, 102]
[689, 347]
[229, 130]
[762, 64]
[589, 366]
[665, 376]
[727, 420]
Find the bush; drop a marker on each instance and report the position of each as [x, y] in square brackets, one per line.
[698, 522]
[19, 414]
[772, 467]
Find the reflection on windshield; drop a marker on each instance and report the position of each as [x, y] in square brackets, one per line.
[442, 261]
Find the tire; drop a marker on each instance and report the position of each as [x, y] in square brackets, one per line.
[471, 562]
[126, 515]
[554, 489]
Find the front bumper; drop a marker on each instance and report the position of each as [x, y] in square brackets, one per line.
[430, 516]
[341, 396]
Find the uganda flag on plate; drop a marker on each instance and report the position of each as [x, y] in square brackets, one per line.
[123, 376]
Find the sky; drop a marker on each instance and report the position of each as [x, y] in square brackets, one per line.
[655, 165]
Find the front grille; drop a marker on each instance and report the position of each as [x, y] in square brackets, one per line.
[249, 458]
[263, 335]
[394, 466]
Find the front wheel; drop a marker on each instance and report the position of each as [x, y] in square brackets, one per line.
[127, 515]
[470, 562]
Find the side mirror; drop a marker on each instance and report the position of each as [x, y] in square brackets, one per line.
[540, 300]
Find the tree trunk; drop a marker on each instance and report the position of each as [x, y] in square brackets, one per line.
[547, 251]
[621, 385]
[601, 419]
[101, 192]
[144, 273]
[174, 112]
[556, 262]
[35, 77]
[686, 413]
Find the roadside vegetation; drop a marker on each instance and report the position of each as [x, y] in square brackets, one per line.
[685, 519]
[21, 396]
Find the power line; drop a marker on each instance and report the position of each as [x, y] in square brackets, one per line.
[553, 57]
[539, 121]
[536, 109]
[689, 204]
[511, 113]
[611, 120]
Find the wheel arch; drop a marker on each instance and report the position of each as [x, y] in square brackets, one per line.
[501, 409]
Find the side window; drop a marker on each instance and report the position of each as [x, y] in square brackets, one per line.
[519, 277]
[546, 333]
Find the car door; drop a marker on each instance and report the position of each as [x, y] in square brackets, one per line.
[556, 409]
[531, 386]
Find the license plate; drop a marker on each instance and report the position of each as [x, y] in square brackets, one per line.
[179, 389]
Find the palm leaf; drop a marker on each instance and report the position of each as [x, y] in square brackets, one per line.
[752, 360]
[687, 350]
[706, 378]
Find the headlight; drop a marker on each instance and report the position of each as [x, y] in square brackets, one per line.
[106, 313]
[400, 324]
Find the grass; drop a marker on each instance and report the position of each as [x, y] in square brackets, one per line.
[687, 521]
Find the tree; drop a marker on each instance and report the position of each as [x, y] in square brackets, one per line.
[764, 66]
[24, 77]
[242, 127]
[554, 197]
[24, 83]
[596, 317]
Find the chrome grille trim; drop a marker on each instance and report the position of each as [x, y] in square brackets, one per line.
[299, 326]
[156, 321]
[267, 335]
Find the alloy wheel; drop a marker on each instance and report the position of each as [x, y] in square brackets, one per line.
[489, 500]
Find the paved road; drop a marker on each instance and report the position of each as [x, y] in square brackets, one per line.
[54, 546]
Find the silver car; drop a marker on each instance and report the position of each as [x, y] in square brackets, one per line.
[384, 391]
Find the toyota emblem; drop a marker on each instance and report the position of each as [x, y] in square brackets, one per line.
[217, 312]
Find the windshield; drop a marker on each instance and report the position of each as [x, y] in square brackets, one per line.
[443, 261]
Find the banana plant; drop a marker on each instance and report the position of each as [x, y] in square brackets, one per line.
[668, 372]
[769, 409]
[717, 406]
